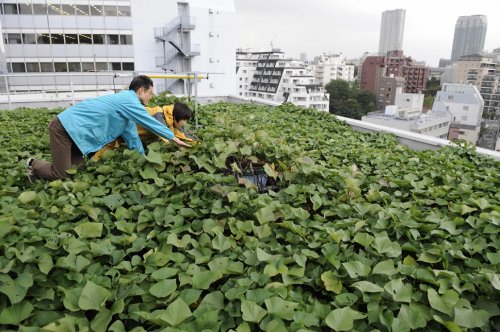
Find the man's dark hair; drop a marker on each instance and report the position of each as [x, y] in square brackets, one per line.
[182, 112]
[141, 81]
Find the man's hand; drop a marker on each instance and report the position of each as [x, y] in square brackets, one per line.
[180, 142]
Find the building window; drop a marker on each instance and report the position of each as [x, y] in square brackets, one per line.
[57, 38]
[123, 10]
[116, 66]
[43, 39]
[71, 39]
[60, 67]
[54, 9]
[74, 67]
[96, 10]
[39, 9]
[67, 10]
[25, 9]
[18, 67]
[10, 8]
[98, 39]
[112, 39]
[88, 66]
[464, 117]
[85, 39]
[14, 38]
[128, 66]
[32, 67]
[110, 11]
[466, 108]
[82, 10]
[126, 39]
[101, 66]
[29, 38]
[46, 67]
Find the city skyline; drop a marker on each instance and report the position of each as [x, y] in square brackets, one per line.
[428, 34]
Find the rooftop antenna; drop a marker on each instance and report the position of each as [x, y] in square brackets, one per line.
[271, 42]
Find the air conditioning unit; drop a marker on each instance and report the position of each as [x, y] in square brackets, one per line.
[210, 11]
[210, 34]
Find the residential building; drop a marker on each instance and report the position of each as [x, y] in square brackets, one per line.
[376, 69]
[391, 30]
[273, 77]
[465, 104]
[329, 67]
[490, 91]
[386, 89]
[472, 68]
[117, 36]
[470, 34]
[303, 57]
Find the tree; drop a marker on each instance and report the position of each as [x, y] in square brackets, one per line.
[347, 100]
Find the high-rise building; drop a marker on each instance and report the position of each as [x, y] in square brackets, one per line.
[391, 30]
[303, 57]
[88, 36]
[470, 34]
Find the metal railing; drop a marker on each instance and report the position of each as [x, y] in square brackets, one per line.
[51, 87]
[178, 22]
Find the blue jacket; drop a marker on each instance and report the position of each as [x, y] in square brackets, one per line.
[93, 123]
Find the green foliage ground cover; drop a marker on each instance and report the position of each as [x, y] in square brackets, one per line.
[358, 232]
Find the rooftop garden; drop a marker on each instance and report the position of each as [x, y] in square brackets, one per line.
[280, 219]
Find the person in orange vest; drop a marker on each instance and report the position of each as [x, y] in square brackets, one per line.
[173, 116]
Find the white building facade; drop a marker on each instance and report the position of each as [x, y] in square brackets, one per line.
[272, 77]
[392, 30]
[465, 105]
[119, 36]
[329, 67]
[407, 114]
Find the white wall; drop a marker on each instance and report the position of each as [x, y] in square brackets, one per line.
[409, 100]
[144, 21]
[220, 48]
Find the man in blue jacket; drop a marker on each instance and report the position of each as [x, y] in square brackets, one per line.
[88, 126]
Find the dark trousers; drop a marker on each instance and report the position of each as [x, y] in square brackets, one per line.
[65, 154]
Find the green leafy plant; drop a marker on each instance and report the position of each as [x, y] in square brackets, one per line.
[355, 232]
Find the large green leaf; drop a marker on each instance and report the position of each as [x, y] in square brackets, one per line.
[203, 279]
[163, 288]
[343, 319]
[176, 312]
[89, 230]
[93, 296]
[251, 312]
[443, 303]
[16, 313]
[280, 308]
[399, 291]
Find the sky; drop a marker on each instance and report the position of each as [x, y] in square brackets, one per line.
[352, 27]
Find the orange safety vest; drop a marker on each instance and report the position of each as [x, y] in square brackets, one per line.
[144, 134]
